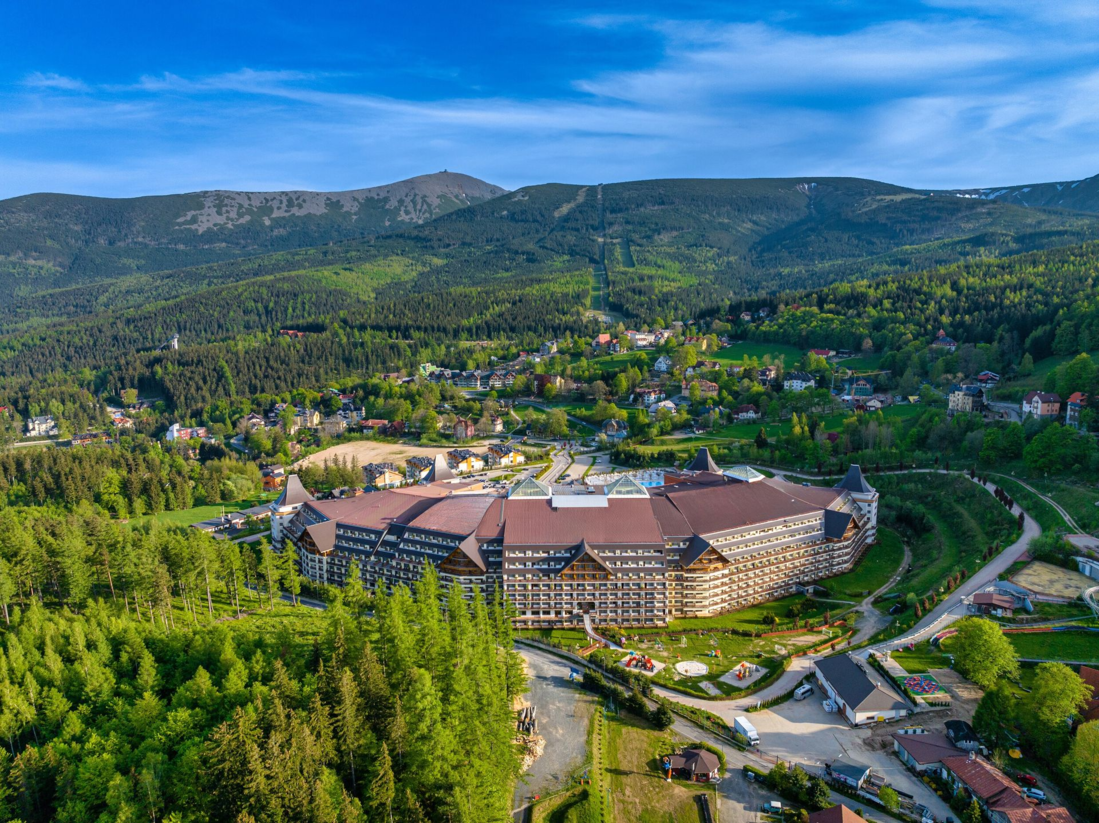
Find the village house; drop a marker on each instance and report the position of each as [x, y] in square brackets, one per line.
[1043, 405]
[642, 339]
[746, 412]
[850, 772]
[705, 388]
[696, 765]
[998, 796]
[962, 735]
[306, 418]
[746, 316]
[464, 461]
[176, 432]
[464, 429]
[1077, 402]
[663, 364]
[333, 426]
[767, 374]
[836, 814]
[826, 353]
[254, 421]
[501, 454]
[667, 405]
[702, 343]
[44, 426]
[997, 605]
[988, 378]
[615, 430]
[87, 438]
[799, 381]
[860, 389]
[969, 398]
[374, 425]
[543, 380]
[944, 344]
[122, 422]
[549, 347]
[383, 475]
[649, 395]
[495, 424]
[924, 750]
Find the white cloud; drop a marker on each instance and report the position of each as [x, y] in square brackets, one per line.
[49, 80]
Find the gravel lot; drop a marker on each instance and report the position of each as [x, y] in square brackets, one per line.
[563, 714]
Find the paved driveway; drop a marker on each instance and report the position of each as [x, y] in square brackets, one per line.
[802, 732]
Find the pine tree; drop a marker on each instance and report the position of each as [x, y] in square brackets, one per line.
[383, 788]
[348, 725]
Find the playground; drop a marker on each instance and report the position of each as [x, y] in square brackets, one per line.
[641, 663]
[923, 685]
[743, 675]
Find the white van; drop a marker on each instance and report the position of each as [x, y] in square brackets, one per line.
[803, 692]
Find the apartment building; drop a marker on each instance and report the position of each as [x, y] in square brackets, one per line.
[704, 543]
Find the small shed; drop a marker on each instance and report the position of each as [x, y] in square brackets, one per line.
[849, 772]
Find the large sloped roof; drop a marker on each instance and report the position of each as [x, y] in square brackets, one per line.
[715, 509]
[855, 687]
[580, 551]
[623, 521]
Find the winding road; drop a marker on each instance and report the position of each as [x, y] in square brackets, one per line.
[952, 608]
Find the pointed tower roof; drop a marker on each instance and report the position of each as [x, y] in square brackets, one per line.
[439, 470]
[703, 462]
[854, 481]
[293, 493]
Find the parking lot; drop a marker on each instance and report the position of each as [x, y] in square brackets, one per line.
[802, 732]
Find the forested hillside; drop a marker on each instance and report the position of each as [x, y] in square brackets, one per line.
[51, 241]
[519, 264]
[1079, 195]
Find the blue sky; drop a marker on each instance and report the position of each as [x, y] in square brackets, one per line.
[122, 99]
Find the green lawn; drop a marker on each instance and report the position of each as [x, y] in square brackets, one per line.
[1077, 646]
[874, 570]
[964, 519]
[1015, 389]
[751, 618]
[1046, 516]
[921, 659]
[187, 517]
[864, 362]
[1078, 499]
[740, 349]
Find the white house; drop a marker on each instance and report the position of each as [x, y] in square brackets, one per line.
[663, 364]
[177, 432]
[862, 695]
[44, 426]
[798, 381]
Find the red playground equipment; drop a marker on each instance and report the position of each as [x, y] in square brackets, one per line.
[641, 662]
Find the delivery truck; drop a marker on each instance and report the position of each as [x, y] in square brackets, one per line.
[741, 725]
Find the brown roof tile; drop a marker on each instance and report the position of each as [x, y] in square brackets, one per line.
[623, 521]
[927, 748]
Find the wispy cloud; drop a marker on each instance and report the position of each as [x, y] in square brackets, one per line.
[962, 93]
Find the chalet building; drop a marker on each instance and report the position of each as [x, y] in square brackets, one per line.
[418, 467]
[647, 396]
[767, 374]
[1043, 405]
[1076, 403]
[615, 430]
[500, 454]
[663, 364]
[706, 388]
[464, 461]
[702, 544]
[383, 475]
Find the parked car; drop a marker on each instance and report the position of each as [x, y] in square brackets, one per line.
[771, 807]
[1034, 794]
[803, 692]
[1025, 779]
